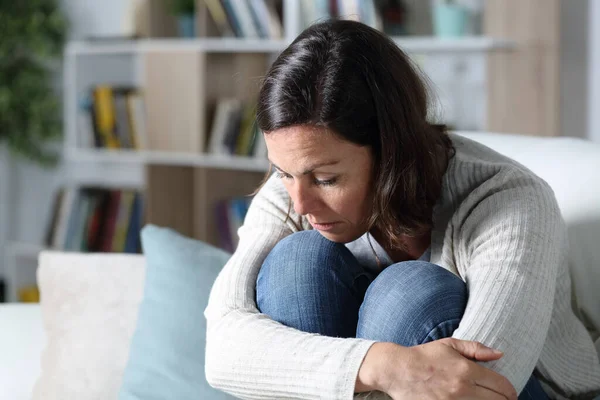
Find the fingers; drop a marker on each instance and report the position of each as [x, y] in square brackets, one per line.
[474, 350]
[491, 381]
[484, 393]
[484, 377]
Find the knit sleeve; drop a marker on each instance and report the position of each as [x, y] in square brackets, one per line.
[510, 246]
[253, 357]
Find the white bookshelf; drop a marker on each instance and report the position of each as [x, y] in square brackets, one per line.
[125, 62]
[78, 52]
[413, 44]
[168, 158]
[466, 44]
[206, 45]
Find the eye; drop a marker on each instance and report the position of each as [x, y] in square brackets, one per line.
[282, 175]
[328, 182]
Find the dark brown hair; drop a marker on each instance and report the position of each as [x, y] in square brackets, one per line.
[354, 81]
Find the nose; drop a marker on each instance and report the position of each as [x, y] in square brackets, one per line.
[303, 198]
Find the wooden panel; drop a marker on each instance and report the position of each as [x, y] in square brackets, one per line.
[161, 22]
[173, 99]
[237, 75]
[170, 198]
[531, 22]
[523, 85]
[213, 185]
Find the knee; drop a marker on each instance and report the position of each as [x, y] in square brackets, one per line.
[306, 248]
[410, 300]
[302, 258]
[420, 281]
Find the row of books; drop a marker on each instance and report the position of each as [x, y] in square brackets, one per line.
[92, 219]
[230, 214]
[246, 18]
[234, 130]
[365, 11]
[113, 117]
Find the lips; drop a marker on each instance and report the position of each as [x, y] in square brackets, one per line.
[324, 226]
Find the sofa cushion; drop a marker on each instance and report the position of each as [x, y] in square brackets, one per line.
[89, 304]
[167, 351]
[22, 340]
[570, 166]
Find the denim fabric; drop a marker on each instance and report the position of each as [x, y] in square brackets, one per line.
[312, 284]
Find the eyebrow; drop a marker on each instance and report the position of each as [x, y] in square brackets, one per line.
[311, 168]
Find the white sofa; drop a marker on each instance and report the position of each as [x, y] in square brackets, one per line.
[100, 319]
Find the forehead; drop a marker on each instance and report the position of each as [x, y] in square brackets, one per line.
[303, 139]
[302, 148]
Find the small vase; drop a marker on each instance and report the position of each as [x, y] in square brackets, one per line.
[186, 24]
[449, 20]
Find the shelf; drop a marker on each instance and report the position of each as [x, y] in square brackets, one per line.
[210, 45]
[167, 158]
[427, 44]
[25, 249]
[419, 44]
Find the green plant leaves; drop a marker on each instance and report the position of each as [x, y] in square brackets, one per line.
[30, 114]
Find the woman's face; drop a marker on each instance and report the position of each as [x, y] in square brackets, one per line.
[327, 178]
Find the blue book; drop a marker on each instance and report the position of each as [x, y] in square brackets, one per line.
[132, 241]
[233, 20]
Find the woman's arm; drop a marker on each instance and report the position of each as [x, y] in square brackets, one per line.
[510, 247]
[248, 354]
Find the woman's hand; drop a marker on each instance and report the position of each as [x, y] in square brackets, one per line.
[442, 369]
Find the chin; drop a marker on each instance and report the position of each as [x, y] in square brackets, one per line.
[341, 237]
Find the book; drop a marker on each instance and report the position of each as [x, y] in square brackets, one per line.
[223, 133]
[137, 117]
[132, 240]
[219, 16]
[93, 219]
[67, 204]
[104, 112]
[243, 14]
[123, 220]
[232, 18]
[261, 17]
[123, 125]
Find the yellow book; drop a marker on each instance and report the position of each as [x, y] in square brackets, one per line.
[123, 219]
[105, 116]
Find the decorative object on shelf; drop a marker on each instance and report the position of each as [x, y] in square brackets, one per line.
[449, 18]
[394, 15]
[185, 11]
[29, 294]
[33, 32]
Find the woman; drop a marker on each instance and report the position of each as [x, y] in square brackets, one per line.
[385, 251]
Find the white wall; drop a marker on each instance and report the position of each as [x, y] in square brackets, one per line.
[574, 67]
[96, 18]
[593, 132]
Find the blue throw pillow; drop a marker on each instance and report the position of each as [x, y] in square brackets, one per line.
[166, 358]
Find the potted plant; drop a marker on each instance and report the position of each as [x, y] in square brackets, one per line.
[33, 34]
[185, 11]
[449, 18]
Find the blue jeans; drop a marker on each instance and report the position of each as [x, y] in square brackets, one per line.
[312, 284]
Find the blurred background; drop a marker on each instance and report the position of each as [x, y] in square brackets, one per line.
[118, 113]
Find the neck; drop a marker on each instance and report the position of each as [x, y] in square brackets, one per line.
[411, 247]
